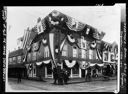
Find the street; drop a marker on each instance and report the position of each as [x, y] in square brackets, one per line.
[48, 86]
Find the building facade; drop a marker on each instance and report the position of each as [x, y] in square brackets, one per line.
[68, 43]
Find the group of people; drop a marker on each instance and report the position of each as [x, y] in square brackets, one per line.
[61, 76]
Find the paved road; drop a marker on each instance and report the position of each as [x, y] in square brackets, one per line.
[37, 86]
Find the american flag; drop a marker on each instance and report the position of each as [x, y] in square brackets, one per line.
[74, 24]
[43, 24]
[28, 37]
[40, 26]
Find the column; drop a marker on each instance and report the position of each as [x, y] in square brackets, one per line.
[79, 72]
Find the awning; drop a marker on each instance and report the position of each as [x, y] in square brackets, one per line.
[70, 64]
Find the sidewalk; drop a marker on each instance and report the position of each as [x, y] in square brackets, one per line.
[71, 80]
[79, 80]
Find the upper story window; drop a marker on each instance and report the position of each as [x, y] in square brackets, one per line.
[10, 59]
[75, 54]
[29, 57]
[83, 53]
[90, 54]
[14, 58]
[34, 56]
[46, 51]
[105, 56]
[83, 43]
[64, 51]
[18, 59]
[112, 58]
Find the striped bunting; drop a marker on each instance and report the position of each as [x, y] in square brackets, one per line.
[74, 24]
[27, 41]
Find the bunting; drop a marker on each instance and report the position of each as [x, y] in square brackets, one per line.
[74, 24]
[70, 64]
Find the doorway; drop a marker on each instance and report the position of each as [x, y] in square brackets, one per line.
[82, 73]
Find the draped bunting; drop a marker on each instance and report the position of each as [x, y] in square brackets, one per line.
[91, 64]
[70, 64]
[38, 63]
[94, 64]
[71, 39]
[93, 44]
[74, 24]
[101, 64]
[45, 40]
[46, 61]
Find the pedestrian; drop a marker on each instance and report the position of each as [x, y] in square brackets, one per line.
[19, 77]
[55, 75]
[88, 76]
[60, 77]
[66, 76]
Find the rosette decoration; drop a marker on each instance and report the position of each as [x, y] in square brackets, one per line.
[93, 45]
[83, 64]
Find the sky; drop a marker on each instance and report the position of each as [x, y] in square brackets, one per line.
[104, 18]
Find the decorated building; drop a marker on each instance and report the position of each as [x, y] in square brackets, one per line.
[60, 40]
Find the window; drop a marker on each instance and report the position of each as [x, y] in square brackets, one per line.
[112, 57]
[46, 51]
[105, 56]
[83, 53]
[29, 57]
[9, 60]
[74, 51]
[34, 56]
[90, 54]
[64, 52]
[83, 43]
[14, 58]
[19, 59]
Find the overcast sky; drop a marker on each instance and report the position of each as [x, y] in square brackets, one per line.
[105, 18]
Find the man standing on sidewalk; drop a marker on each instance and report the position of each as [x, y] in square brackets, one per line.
[19, 77]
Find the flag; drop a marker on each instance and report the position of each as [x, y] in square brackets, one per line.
[27, 40]
[40, 25]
